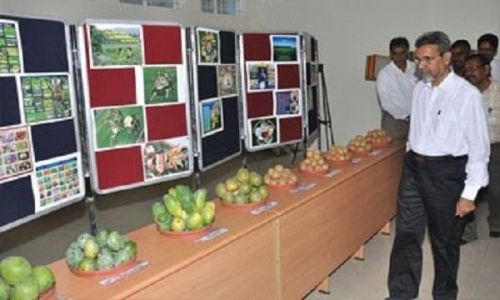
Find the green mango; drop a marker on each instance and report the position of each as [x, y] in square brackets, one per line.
[194, 221]
[200, 198]
[178, 225]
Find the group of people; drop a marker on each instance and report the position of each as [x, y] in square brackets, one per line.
[446, 103]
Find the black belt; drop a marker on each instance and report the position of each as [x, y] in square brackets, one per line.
[424, 158]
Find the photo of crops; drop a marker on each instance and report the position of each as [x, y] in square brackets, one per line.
[119, 126]
[115, 45]
[285, 47]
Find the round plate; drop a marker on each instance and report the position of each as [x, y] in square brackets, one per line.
[311, 173]
[50, 294]
[104, 273]
[192, 234]
[360, 153]
[342, 162]
[283, 186]
[380, 145]
[243, 207]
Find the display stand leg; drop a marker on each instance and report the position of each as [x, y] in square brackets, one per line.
[324, 286]
[327, 119]
[386, 229]
[90, 201]
[360, 253]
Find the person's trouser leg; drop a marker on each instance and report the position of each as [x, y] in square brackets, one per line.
[442, 184]
[405, 267]
[493, 190]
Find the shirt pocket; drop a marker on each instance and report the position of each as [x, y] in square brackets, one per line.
[446, 126]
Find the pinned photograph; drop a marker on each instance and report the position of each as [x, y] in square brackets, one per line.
[261, 76]
[46, 97]
[208, 46]
[226, 78]
[288, 102]
[10, 61]
[166, 157]
[160, 85]
[211, 117]
[115, 45]
[285, 47]
[119, 126]
[264, 132]
[15, 155]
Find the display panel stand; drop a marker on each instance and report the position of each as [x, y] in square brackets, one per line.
[326, 121]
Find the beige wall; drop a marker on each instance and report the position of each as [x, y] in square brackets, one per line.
[347, 31]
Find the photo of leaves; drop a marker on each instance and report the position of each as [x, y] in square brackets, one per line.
[162, 158]
[160, 85]
[119, 126]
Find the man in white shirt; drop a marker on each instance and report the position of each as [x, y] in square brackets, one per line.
[395, 84]
[477, 70]
[443, 170]
[487, 45]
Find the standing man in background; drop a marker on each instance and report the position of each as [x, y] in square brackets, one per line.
[395, 83]
[460, 49]
[487, 45]
[443, 170]
[477, 70]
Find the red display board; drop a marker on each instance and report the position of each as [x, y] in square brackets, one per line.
[137, 103]
[272, 85]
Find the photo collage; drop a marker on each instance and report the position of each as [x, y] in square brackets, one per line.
[38, 125]
[216, 95]
[138, 99]
[10, 59]
[57, 181]
[273, 101]
[15, 152]
[45, 97]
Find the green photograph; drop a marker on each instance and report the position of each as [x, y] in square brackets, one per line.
[9, 48]
[119, 126]
[208, 46]
[46, 97]
[160, 85]
[285, 47]
[115, 45]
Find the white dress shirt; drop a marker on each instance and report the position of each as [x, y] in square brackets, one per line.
[495, 69]
[449, 119]
[491, 101]
[395, 89]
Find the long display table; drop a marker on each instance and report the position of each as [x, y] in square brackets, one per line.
[278, 254]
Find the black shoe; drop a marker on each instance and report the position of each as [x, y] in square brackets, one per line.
[463, 242]
[494, 234]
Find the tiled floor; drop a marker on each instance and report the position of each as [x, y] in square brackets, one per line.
[45, 240]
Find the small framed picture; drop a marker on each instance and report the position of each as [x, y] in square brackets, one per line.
[264, 132]
[226, 80]
[165, 157]
[261, 76]
[288, 102]
[160, 85]
[208, 46]
[285, 47]
[119, 126]
[212, 120]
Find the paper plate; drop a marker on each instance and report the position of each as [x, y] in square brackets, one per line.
[104, 273]
[191, 234]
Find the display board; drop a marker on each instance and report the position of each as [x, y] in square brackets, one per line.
[40, 158]
[136, 103]
[216, 98]
[272, 89]
[312, 83]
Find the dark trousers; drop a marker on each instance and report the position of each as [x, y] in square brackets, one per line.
[428, 192]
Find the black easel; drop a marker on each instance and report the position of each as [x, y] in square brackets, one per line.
[326, 120]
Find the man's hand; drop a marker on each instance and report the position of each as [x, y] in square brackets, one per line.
[464, 206]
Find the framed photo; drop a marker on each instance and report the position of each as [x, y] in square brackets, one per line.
[263, 131]
[119, 126]
[261, 76]
[226, 80]
[10, 48]
[57, 181]
[15, 152]
[288, 102]
[285, 47]
[208, 46]
[212, 120]
[115, 45]
[162, 158]
[160, 85]
[46, 97]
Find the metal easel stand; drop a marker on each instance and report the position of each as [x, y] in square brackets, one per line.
[326, 119]
[89, 191]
